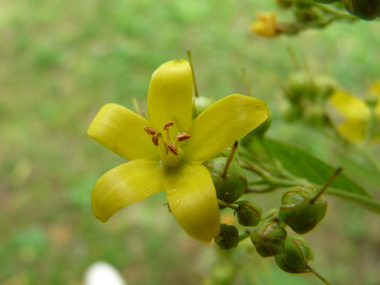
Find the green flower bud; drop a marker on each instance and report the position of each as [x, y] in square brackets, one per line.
[231, 186]
[324, 86]
[300, 84]
[297, 254]
[200, 104]
[228, 237]
[364, 9]
[272, 216]
[284, 3]
[269, 239]
[291, 112]
[297, 210]
[249, 213]
[304, 3]
[314, 114]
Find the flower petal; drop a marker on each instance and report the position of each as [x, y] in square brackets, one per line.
[124, 185]
[224, 122]
[192, 199]
[353, 129]
[121, 131]
[350, 106]
[170, 96]
[375, 89]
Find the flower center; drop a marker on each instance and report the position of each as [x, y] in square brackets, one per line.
[171, 153]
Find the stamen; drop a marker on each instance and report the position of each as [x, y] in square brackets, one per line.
[172, 148]
[149, 130]
[162, 140]
[166, 128]
[167, 125]
[183, 137]
[155, 140]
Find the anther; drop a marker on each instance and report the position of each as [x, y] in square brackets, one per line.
[172, 148]
[167, 125]
[183, 137]
[150, 130]
[155, 140]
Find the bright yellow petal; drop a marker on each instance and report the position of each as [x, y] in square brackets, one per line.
[121, 131]
[224, 122]
[124, 185]
[375, 89]
[170, 96]
[350, 106]
[192, 199]
[353, 129]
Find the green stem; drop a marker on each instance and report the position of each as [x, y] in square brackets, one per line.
[229, 159]
[337, 14]
[318, 275]
[225, 204]
[243, 236]
[246, 82]
[366, 202]
[193, 73]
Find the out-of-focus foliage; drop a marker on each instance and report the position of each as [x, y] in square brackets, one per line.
[62, 60]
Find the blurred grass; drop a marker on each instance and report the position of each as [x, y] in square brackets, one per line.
[61, 60]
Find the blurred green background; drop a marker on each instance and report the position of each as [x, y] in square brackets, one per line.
[61, 60]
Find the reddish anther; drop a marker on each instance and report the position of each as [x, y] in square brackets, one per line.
[155, 140]
[172, 148]
[183, 137]
[167, 125]
[150, 130]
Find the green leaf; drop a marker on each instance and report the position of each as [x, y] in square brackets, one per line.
[304, 165]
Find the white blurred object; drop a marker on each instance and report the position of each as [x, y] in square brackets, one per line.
[103, 273]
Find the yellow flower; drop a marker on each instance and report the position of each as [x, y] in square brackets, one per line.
[355, 111]
[159, 160]
[266, 25]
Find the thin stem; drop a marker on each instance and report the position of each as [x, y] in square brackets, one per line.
[136, 105]
[366, 202]
[293, 57]
[193, 73]
[229, 159]
[225, 204]
[312, 201]
[243, 236]
[318, 275]
[266, 190]
[245, 75]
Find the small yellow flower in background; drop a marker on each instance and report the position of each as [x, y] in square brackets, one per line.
[355, 111]
[161, 160]
[266, 25]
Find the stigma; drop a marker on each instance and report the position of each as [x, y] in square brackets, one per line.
[166, 142]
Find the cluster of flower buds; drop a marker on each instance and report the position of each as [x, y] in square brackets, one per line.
[307, 96]
[364, 9]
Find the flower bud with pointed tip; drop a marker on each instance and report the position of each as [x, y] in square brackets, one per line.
[269, 239]
[298, 212]
[200, 104]
[228, 237]
[233, 185]
[297, 254]
[249, 213]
